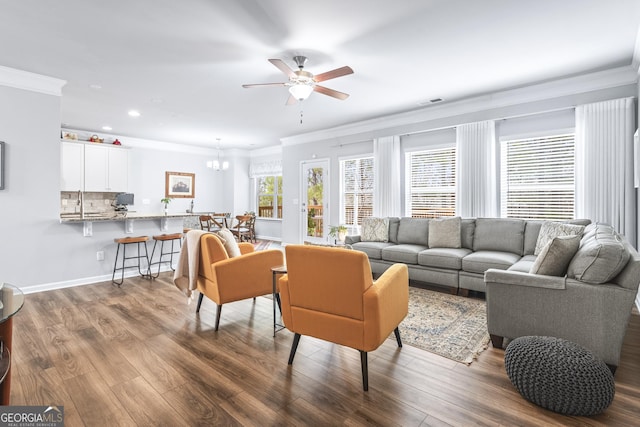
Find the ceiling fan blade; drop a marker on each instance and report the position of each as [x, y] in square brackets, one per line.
[283, 67]
[334, 93]
[263, 84]
[291, 100]
[338, 72]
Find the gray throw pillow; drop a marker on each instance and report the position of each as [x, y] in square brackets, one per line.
[445, 232]
[555, 257]
[550, 229]
[375, 230]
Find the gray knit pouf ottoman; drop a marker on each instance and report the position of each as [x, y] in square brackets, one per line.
[559, 375]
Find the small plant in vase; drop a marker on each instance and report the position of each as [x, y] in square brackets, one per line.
[166, 201]
[338, 231]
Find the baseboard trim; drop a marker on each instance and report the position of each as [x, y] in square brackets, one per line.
[77, 282]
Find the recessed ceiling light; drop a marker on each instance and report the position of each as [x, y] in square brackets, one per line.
[134, 113]
[107, 128]
[95, 86]
[157, 100]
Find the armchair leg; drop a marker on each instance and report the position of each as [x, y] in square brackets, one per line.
[199, 302]
[397, 332]
[365, 370]
[218, 311]
[294, 347]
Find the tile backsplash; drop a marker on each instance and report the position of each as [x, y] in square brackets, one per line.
[93, 202]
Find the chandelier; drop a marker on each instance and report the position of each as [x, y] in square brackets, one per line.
[216, 164]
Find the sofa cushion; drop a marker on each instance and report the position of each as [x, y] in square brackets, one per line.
[407, 254]
[551, 229]
[375, 229]
[531, 232]
[372, 249]
[555, 257]
[601, 256]
[524, 265]
[413, 231]
[481, 261]
[445, 232]
[499, 234]
[394, 223]
[467, 230]
[443, 257]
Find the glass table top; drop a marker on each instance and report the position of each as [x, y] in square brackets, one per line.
[11, 301]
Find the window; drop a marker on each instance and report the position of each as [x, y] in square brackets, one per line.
[357, 190]
[269, 196]
[431, 183]
[537, 178]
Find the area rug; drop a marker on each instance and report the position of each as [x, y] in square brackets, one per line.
[448, 325]
[261, 245]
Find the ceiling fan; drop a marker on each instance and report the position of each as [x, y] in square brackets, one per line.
[301, 83]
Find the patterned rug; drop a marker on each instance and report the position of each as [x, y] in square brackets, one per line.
[448, 325]
[261, 245]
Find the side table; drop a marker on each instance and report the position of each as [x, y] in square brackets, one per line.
[11, 301]
[282, 269]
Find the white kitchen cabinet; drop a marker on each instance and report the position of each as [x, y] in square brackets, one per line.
[71, 166]
[106, 168]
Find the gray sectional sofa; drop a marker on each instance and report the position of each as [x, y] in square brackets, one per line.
[578, 284]
[484, 243]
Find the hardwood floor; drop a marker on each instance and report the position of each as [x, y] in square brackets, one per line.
[140, 355]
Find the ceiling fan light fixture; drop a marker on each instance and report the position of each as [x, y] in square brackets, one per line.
[300, 91]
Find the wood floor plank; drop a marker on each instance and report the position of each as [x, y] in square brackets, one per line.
[96, 403]
[145, 405]
[139, 355]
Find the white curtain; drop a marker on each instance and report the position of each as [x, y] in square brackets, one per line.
[476, 170]
[386, 190]
[604, 164]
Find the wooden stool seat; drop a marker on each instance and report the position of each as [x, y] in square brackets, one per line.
[164, 238]
[168, 236]
[124, 241]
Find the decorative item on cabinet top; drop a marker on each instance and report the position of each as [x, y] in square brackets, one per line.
[88, 137]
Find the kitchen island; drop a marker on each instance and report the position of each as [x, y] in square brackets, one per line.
[128, 218]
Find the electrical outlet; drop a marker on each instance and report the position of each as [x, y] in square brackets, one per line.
[146, 201]
[100, 256]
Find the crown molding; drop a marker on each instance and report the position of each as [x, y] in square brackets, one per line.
[25, 80]
[388, 125]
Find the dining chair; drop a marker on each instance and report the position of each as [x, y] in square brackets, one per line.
[205, 222]
[241, 230]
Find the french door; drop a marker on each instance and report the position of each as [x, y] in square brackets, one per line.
[314, 196]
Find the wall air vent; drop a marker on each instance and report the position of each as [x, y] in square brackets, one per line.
[430, 101]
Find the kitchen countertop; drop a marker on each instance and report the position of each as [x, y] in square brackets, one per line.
[122, 217]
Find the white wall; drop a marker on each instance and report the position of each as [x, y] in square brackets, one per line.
[433, 124]
[37, 251]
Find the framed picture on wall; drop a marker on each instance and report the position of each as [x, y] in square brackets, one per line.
[1, 165]
[180, 184]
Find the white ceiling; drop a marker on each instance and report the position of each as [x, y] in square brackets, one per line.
[182, 63]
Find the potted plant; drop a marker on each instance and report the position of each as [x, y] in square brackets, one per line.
[338, 231]
[166, 201]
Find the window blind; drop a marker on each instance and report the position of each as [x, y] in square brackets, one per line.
[357, 190]
[538, 178]
[431, 183]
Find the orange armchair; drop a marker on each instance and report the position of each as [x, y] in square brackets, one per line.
[329, 293]
[223, 279]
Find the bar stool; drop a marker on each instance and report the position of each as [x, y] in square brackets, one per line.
[165, 238]
[124, 241]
